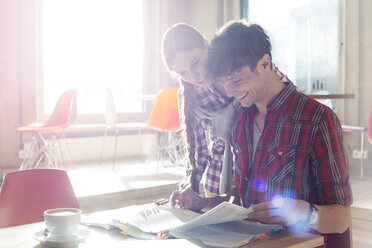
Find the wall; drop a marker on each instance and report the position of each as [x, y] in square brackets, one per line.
[209, 15]
[9, 82]
[17, 74]
[358, 63]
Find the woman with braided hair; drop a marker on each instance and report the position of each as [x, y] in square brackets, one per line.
[201, 106]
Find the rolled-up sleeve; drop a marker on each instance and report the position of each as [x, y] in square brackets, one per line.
[329, 163]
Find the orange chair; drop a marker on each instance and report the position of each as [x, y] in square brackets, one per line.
[164, 116]
[164, 119]
[43, 148]
[26, 194]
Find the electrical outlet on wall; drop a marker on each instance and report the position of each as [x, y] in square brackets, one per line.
[22, 153]
[357, 154]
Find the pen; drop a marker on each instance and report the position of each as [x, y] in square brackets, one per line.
[161, 202]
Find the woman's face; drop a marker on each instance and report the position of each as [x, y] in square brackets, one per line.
[190, 66]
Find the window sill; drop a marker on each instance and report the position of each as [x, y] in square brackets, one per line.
[94, 130]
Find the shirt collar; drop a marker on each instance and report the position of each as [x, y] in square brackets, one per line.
[283, 98]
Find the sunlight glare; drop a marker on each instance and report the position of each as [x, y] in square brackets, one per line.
[91, 45]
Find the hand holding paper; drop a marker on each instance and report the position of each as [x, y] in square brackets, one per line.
[281, 211]
[187, 199]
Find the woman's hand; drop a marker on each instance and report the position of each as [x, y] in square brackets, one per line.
[281, 211]
[187, 199]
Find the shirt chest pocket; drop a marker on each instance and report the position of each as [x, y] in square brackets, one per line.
[280, 162]
[240, 159]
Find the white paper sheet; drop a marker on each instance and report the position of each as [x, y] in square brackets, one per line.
[159, 219]
[225, 234]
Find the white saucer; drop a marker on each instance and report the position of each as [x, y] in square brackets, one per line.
[79, 236]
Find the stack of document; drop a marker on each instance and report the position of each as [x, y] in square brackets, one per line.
[222, 226]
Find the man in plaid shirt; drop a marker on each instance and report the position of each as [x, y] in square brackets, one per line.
[290, 165]
[210, 161]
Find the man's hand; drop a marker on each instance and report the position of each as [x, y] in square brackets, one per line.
[281, 211]
[187, 199]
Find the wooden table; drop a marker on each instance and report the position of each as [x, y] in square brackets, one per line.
[21, 237]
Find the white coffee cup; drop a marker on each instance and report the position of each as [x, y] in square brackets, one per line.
[62, 222]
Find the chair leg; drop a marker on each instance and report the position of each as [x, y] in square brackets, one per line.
[180, 150]
[163, 150]
[44, 152]
[30, 155]
[40, 152]
[362, 155]
[103, 144]
[68, 151]
[140, 141]
[38, 156]
[158, 150]
[36, 153]
[172, 147]
[115, 148]
[49, 154]
[61, 153]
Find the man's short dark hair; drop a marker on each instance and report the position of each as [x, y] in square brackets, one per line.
[236, 45]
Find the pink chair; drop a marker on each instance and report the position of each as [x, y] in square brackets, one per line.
[26, 194]
[45, 134]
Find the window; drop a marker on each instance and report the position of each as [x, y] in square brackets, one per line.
[91, 45]
[305, 40]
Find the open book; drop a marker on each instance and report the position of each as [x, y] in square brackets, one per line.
[155, 219]
[221, 226]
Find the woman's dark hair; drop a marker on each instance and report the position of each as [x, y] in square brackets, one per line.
[183, 37]
[236, 45]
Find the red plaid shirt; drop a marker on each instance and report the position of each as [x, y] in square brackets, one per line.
[299, 155]
[210, 157]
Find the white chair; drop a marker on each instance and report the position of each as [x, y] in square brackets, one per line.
[350, 129]
[111, 123]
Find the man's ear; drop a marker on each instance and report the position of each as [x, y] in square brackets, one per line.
[265, 62]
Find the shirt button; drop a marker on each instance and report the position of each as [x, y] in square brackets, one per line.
[280, 153]
[237, 149]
